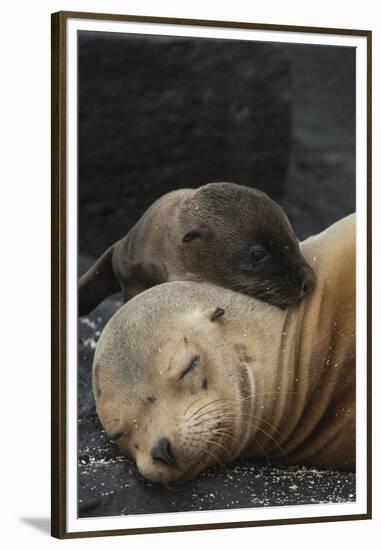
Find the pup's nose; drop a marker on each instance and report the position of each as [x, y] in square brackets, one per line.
[308, 280]
[163, 452]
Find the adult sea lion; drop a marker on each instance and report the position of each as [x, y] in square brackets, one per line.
[223, 233]
[187, 375]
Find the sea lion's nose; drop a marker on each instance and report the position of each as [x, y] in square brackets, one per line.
[163, 452]
[308, 280]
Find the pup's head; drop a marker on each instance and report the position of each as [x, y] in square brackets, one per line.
[241, 239]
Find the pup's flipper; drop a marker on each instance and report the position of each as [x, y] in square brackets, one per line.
[97, 283]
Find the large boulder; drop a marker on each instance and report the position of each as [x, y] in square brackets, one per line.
[321, 183]
[160, 113]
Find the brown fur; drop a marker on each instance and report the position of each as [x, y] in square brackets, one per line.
[280, 384]
[204, 235]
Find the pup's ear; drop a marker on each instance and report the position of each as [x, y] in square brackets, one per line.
[216, 313]
[197, 233]
[97, 283]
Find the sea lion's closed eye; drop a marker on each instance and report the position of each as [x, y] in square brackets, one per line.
[191, 365]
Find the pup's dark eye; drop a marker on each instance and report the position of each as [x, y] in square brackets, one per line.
[193, 362]
[258, 253]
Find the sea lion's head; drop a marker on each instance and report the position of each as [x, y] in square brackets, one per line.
[239, 238]
[168, 393]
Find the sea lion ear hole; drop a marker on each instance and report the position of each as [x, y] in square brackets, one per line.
[217, 313]
[194, 234]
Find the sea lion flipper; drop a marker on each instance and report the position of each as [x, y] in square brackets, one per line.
[97, 283]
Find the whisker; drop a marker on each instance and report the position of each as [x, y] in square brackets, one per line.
[261, 420]
[258, 427]
[255, 426]
[191, 405]
[203, 407]
[212, 442]
[208, 451]
[220, 408]
[262, 449]
[223, 432]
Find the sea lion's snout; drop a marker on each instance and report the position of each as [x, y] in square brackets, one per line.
[302, 280]
[163, 452]
[182, 455]
[278, 281]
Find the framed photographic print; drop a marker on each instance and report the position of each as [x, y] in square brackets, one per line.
[211, 303]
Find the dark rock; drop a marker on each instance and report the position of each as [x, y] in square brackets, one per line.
[320, 186]
[160, 113]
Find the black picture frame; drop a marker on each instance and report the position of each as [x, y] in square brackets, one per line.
[59, 264]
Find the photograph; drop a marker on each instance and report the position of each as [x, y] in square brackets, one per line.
[212, 187]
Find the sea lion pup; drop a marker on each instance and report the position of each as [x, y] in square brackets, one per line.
[187, 375]
[222, 233]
